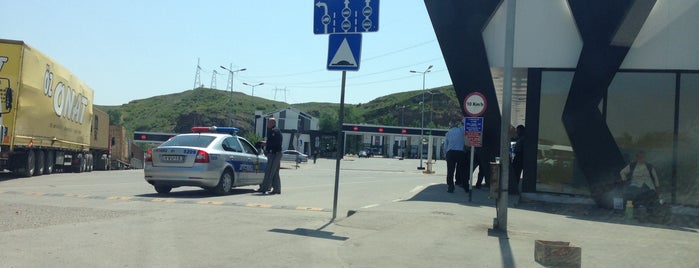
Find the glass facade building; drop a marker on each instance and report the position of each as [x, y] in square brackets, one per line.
[600, 81]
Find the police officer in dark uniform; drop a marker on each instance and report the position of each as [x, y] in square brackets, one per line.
[273, 148]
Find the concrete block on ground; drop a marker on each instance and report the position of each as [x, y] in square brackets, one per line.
[557, 254]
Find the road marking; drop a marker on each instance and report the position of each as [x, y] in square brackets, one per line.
[309, 208]
[397, 200]
[370, 206]
[76, 195]
[217, 203]
[165, 200]
[257, 205]
[36, 193]
[119, 198]
[417, 189]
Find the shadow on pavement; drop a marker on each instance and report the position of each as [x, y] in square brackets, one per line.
[508, 259]
[194, 193]
[594, 213]
[317, 233]
[438, 193]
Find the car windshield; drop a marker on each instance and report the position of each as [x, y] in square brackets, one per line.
[200, 141]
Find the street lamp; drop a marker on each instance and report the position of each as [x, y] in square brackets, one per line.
[232, 75]
[253, 87]
[422, 124]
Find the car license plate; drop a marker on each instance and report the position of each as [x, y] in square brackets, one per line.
[172, 158]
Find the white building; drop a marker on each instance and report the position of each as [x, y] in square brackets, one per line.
[294, 124]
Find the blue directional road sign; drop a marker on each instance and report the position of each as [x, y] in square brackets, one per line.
[344, 51]
[345, 16]
[473, 124]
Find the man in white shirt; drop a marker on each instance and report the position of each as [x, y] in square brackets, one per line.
[644, 184]
[456, 157]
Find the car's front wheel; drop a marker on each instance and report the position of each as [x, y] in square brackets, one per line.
[225, 183]
[162, 189]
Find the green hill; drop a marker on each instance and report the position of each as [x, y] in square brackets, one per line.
[205, 107]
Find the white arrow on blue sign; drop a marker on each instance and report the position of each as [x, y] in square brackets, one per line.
[348, 16]
[344, 52]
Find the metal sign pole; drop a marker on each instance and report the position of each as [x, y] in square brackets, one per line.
[339, 142]
[506, 115]
[470, 177]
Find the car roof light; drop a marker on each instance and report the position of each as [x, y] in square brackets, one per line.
[215, 129]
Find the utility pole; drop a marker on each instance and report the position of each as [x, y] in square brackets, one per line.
[277, 90]
[213, 79]
[197, 76]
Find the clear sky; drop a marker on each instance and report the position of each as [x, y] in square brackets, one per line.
[133, 49]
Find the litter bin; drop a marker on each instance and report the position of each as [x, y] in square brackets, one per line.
[494, 179]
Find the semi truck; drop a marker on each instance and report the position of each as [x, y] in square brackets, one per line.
[47, 121]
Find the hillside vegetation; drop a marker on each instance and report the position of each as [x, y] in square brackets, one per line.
[208, 107]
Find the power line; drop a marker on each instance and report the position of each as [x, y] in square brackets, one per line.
[367, 59]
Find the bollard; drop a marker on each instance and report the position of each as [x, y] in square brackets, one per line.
[429, 168]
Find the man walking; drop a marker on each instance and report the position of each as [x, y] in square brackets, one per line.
[456, 157]
[273, 149]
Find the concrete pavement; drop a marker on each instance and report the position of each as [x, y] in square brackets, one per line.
[434, 228]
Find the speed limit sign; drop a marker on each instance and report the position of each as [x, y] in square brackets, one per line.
[475, 104]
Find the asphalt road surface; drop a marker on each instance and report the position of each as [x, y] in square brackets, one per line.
[114, 218]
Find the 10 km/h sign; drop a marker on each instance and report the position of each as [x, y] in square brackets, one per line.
[475, 104]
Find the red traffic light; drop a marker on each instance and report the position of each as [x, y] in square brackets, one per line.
[144, 137]
[355, 128]
[380, 129]
[404, 131]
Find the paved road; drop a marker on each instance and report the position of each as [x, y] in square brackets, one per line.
[404, 219]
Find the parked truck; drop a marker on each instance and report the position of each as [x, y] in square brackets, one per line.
[100, 142]
[121, 148]
[47, 118]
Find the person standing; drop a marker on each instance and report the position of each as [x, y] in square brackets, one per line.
[456, 157]
[517, 161]
[273, 148]
[315, 156]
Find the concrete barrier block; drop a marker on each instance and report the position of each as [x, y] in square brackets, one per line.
[557, 254]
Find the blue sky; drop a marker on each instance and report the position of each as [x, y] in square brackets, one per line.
[128, 50]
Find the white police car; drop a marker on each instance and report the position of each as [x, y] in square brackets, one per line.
[213, 158]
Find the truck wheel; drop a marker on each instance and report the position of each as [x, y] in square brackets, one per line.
[83, 164]
[25, 164]
[80, 165]
[163, 189]
[89, 163]
[39, 162]
[225, 183]
[49, 161]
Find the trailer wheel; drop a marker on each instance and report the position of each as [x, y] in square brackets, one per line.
[78, 165]
[49, 162]
[89, 163]
[25, 164]
[39, 162]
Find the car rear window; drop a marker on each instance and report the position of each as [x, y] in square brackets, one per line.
[201, 141]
